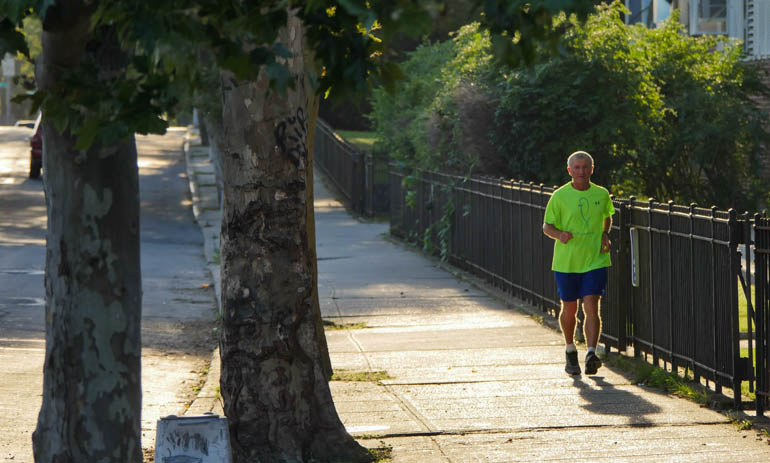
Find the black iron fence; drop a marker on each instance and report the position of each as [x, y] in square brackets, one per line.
[361, 178]
[761, 308]
[673, 290]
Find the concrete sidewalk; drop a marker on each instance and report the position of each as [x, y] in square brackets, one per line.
[470, 378]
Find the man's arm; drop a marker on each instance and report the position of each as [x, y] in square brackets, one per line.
[556, 234]
[606, 227]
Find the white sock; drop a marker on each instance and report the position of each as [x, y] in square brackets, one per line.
[571, 348]
[592, 349]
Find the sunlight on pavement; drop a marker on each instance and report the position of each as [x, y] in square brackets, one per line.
[366, 429]
[6, 166]
[153, 163]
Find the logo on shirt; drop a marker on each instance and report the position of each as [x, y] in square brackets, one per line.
[584, 205]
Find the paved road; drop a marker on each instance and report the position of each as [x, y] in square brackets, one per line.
[178, 304]
[22, 260]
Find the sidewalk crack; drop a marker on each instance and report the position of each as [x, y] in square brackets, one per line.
[463, 432]
[404, 404]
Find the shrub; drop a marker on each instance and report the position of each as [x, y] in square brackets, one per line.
[399, 119]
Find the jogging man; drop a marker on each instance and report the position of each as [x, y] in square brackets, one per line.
[578, 217]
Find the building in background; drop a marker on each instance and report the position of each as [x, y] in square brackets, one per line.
[748, 20]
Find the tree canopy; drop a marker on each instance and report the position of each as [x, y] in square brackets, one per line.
[349, 37]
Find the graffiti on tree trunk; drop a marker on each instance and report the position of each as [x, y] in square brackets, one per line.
[290, 137]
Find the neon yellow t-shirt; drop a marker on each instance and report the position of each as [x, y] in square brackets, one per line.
[581, 213]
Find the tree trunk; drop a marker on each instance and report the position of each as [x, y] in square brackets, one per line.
[312, 109]
[91, 387]
[276, 395]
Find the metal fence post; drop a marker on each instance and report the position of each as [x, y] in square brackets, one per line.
[672, 357]
[358, 186]
[650, 256]
[632, 311]
[714, 321]
[693, 342]
[623, 254]
[745, 364]
[368, 187]
[761, 250]
[734, 328]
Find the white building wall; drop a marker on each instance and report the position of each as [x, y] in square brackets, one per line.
[758, 28]
[735, 26]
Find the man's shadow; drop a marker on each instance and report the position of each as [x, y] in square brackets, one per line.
[605, 398]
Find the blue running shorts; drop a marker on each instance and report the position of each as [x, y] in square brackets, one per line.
[573, 286]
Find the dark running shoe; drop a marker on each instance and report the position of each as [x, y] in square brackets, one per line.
[593, 362]
[572, 367]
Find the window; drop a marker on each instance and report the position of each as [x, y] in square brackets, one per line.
[641, 12]
[651, 13]
[720, 17]
[662, 11]
[710, 16]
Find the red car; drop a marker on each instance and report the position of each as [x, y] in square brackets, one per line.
[36, 150]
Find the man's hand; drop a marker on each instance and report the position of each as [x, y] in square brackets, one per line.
[606, 243]
[554, 233]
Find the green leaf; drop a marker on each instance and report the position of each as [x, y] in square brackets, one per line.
[369, 21]
[390, 74]
[11, 40]
[13, 10]
[313, 77]
[42, 6]
[505, 51]
[280, 77]
[353, 8]
[280, 50]
[86, 134]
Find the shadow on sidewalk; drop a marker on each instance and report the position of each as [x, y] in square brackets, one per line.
[605, 398]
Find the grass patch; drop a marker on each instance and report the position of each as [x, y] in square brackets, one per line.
[364, 376]
[743, 324]
[364, 141]
[743, 425]
[650, 375]
[381, 454]
[330, 325]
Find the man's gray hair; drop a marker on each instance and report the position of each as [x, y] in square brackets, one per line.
[579, 155]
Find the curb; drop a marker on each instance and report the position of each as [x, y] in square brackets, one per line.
[208, 215]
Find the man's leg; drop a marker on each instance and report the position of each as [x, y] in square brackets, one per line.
[568, 320]
[592, 326]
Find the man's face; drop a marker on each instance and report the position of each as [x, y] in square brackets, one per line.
[581, 170]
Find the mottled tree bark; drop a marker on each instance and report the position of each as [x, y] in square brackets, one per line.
[91, 388]
[312, 109]
[276, 395]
